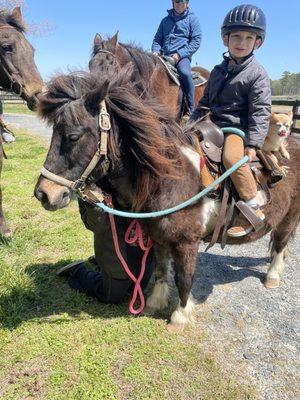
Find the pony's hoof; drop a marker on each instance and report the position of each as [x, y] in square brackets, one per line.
[272, 283]
[175, 328]
[149, 311]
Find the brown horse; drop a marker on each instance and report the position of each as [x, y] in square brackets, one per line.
[18, 72]
[110, 54]
[153, 165]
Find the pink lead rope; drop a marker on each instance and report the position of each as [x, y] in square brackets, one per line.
[136, 238]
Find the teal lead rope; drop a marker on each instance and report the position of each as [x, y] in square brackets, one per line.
[188, 202]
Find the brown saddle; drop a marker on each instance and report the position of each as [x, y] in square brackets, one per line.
[266, 173]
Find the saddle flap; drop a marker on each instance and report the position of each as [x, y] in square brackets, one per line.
[211, 138]
[213, 152]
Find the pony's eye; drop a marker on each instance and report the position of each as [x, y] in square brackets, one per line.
[74, 137]
[7, 48]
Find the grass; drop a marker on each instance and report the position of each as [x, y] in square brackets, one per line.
[10, 108]
[58, 344]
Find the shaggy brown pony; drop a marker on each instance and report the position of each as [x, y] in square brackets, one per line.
[153, 166]
[112, 55]
[18, 71]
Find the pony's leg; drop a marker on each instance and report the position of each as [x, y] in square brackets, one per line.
[280, 238]
[158, 299]
[4, 230]
[184, 255]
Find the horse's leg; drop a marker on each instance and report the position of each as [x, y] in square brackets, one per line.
[184, 255]
[280, 237]
[158, 299]
[4, 230]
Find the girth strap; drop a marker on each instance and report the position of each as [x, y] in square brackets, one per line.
[221, 218]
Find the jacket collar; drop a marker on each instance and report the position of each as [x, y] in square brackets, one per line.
[176, 17]
[235, 68]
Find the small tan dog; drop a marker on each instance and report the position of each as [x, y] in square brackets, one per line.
[280, 129]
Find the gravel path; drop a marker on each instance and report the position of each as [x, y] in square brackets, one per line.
[251, 328]
[29, 122]
[254, 332]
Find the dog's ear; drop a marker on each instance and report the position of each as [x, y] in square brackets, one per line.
[290, 114]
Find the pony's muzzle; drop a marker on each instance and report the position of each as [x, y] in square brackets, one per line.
[52, 196]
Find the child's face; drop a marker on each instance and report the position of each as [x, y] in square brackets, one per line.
[241, 43]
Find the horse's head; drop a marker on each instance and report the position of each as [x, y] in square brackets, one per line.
[139, 146]
[105, 54]
[18, 71]
[71, 104]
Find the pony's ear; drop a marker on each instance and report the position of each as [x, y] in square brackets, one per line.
[115, 40]
[93, 98]
[17, 16]
[97, 39]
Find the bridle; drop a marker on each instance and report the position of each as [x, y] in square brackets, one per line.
[13, 72]
[79, 186]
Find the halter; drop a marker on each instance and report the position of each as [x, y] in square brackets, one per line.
[10, 75]
[80, 185]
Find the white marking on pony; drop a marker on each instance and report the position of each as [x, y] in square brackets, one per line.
[209, 214]
[275, 270]
[184, 315]
[158, 300]
[192, 156]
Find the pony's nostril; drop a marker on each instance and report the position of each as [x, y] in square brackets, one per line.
[65, 194]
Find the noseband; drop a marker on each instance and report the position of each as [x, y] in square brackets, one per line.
[80, 184]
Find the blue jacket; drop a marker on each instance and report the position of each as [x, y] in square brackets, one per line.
[178, 34]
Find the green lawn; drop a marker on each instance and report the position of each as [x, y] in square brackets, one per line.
[17, 109]
[57, 344]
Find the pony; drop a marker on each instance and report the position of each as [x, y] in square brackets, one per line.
[110, 54]
[153, 165]
[18, 72]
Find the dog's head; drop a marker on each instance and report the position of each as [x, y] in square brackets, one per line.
[280, 124]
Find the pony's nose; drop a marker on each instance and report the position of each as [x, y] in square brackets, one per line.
[52, 199]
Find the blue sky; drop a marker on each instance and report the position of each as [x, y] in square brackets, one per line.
[76, 22]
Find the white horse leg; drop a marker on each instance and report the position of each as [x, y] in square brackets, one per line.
[275, 270]
[158, 300]
[184, 315]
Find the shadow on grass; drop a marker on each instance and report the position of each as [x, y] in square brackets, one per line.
[50, 300]
[213, 270]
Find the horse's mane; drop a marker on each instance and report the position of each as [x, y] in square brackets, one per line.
[7, 18]
[143, 133]
[144, 62]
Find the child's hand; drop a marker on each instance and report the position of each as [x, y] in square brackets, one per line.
[250, 152]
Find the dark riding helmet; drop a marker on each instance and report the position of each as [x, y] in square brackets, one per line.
[245, 17]
[180, 1]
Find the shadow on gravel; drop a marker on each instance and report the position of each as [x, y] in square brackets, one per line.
[215, 270]
[49, 299]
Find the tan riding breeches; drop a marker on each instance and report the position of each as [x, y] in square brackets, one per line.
[242, 178]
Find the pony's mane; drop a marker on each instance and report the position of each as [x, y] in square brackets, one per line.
[7, 18]
[142, 130]
[144, 62]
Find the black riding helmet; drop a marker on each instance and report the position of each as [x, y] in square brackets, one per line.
[244, 17]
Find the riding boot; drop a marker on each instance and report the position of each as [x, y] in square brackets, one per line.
[243, 227]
